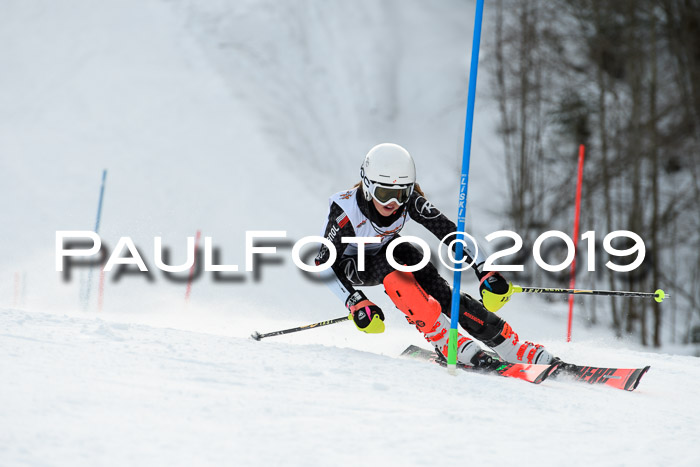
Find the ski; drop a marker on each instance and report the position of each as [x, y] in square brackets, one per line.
[619, 378]
[530, 373]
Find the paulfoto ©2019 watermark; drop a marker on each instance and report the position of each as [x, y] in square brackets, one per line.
[80, 245]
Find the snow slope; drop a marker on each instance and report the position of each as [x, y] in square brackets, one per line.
[87, 391]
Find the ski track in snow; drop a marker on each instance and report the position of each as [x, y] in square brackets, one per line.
[89, 391]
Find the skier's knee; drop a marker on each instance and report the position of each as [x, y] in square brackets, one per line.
[408, 296]
[480, 323]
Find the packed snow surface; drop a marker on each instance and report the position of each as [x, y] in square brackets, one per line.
[89, 391]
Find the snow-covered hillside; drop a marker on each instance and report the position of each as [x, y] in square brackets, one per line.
[221, 117]
[231, 116]
[87, 391]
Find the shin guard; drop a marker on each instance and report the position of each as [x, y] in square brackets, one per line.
[423, 311]
[420, 308]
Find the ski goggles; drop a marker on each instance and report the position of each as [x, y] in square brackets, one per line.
[387, 194]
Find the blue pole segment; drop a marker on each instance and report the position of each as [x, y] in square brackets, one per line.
[86, 298]
[464, 182]
[99, 203]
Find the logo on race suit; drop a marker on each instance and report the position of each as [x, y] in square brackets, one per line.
[320, 255]
[342, 220]
[324, 250]
[331, 234]
[361, 224]
[350, 270]
[346, 195]
[425, 209]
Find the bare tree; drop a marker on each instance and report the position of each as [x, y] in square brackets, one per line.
[624, 78]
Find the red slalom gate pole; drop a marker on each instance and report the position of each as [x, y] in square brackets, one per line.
[189, 281]
[577, 215]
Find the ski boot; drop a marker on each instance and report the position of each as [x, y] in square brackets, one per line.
[438, 337]
[481, 359]
[516, 351]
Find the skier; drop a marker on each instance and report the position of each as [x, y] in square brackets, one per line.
[386, 197]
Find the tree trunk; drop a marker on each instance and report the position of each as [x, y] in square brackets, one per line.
[654, 154]
[608, 204]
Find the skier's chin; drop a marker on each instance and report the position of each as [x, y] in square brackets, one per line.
[386, 210]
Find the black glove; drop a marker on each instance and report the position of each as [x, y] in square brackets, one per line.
[495, 290]
[494, 282]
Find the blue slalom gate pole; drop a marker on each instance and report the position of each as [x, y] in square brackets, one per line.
[463, 185]
[99, 203]
[86, 299]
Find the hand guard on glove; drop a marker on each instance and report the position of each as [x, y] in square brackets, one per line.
[495, 290]
[367, 316]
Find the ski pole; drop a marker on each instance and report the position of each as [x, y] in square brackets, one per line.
[257, 336]
[658, 295]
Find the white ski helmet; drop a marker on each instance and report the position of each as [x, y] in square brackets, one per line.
[388, 174]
